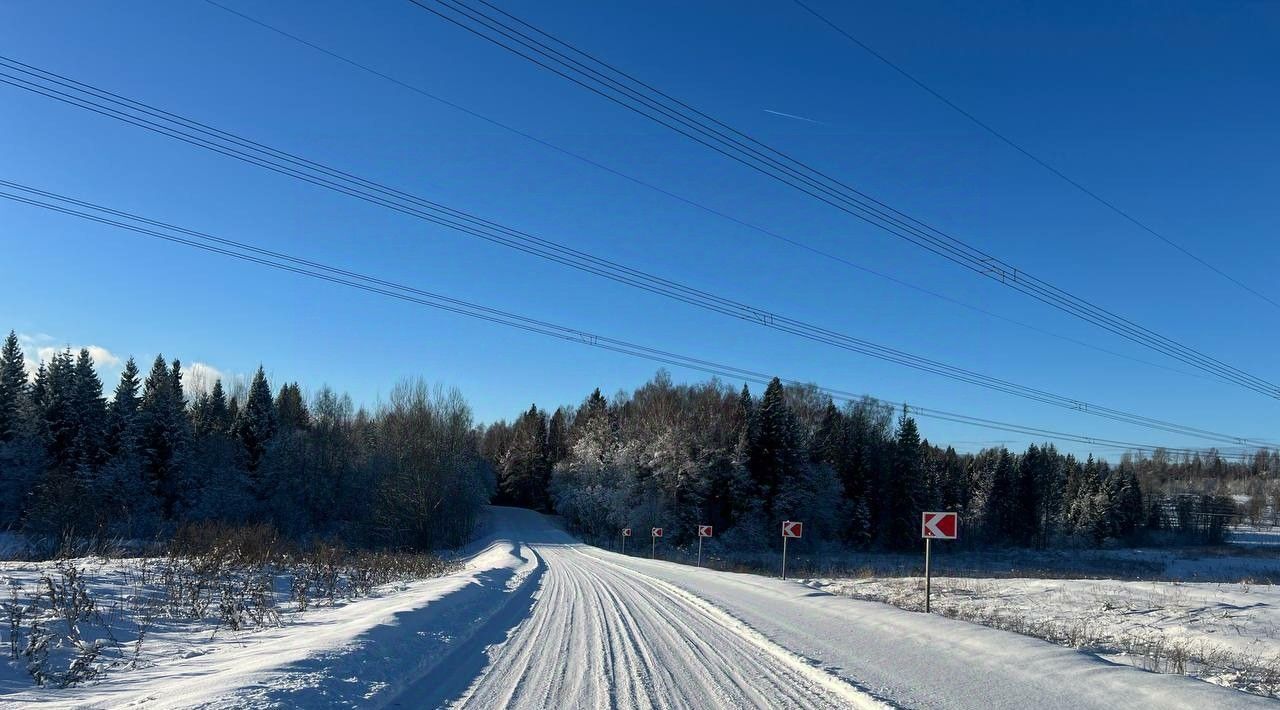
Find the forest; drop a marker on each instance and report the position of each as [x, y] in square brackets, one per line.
[415, 471]
[155, 455]
[858, 475]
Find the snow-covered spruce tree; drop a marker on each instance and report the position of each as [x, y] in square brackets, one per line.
[13, 389]
[122, 412]
[90, 412]
[254, 428]
[21, 456]
[291, 409]
[903, 488]
[71, 426]
[525, 472]
[125, 499]
[775, 454]
[869, 449]
[219, 485]
[1127, 510]
[164, 435]
[558, 437]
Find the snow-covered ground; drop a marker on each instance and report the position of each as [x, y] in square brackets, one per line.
[1224, 633]
[537, 619]
[1254, 535]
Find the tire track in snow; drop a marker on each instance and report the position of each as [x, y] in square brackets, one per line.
[604, 636]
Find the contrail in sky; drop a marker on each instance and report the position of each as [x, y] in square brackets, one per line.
[792, 115]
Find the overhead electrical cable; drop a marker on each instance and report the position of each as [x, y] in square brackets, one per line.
[1032, 156]
[35, 197]
[685, 200]
[611, 83]
[199, 134]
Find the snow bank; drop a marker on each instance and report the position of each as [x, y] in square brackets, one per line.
[1225, 633]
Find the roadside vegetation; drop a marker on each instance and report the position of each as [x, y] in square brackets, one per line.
[72, 620]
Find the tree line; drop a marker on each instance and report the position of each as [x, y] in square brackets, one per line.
[858, 475]
[154, 455]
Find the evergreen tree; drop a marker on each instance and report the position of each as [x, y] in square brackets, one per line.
[558, 437]
[829, 441]
[291, 409]
[904, 487]
[1001, 513]
[218, 417]
[21, 456]
[122, 413]
[13, 389]
[525, 474]
[775, 454]
[256, 427]
[163, 434]
[90, 411]
[52, 406]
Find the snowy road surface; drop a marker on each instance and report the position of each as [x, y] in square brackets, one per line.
[538, 620]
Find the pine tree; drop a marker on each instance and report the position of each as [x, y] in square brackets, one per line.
[13, 389]
[903, 489]
[55, 408]
[743, 496]
[90, 411]
[291, 409]
[21, 456]
[255, 428]
[122, 413]
[775, 455]
[1001, 511]
[829, 441]
[525, 474]
[163, 434]
[217, 418]
[558, 437]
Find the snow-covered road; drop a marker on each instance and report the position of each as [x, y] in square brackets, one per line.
[537, 620]
[614, 631]
[604, 636]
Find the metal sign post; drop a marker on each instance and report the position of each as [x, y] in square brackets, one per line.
[790, 528]
[626, 533]
[928, 576]
[943, 526]
[654, 534]
[703, 531]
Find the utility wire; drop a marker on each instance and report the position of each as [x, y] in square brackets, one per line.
[617, 86]
[1031, 156]
[198, 134]
[35, 197]
[687, 201]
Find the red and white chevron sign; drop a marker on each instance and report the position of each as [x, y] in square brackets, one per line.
[704, 531]
[792, 528]
[656, 532]
[940, 526]
[626, 532]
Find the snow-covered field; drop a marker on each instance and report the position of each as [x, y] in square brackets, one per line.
[536, 619]
[1222, 632]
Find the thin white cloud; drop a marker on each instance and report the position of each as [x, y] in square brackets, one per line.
[102, 357]
[37, 348]
[199, 378]
[793, 116]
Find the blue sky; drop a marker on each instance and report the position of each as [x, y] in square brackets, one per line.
[1167, 109]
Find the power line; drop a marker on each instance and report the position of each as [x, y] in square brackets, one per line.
[282, 261]
[685, 200]
[615, 85]
[1031, 156]
[202, 135]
